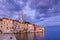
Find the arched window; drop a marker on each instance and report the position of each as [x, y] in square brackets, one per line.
[0, 19]
[0, 31]
[7, 27]
[1, 26]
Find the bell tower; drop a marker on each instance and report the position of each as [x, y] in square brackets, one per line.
[21, 23]
[21, 18]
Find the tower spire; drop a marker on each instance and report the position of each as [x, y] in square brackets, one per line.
[21, 17]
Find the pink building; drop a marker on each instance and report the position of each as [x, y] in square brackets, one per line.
[7, 25]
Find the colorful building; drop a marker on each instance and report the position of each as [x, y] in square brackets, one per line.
[38, 28]
[16, 26]
[30, 28]
[6, 25]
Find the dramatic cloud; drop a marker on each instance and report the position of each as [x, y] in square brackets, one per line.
[34, 11]
[50, 21]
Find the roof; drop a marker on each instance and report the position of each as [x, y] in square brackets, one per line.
[6, 18]
[18, 21]
[27, 22]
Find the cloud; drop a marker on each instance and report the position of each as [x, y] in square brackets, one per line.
[8, 8]
[34, 11]
[43, 6]
[50, 21]
[28, 11]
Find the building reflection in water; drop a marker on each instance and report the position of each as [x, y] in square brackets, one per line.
[30, 36]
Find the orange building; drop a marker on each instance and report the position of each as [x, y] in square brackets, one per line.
[6, 25]
[38, 28]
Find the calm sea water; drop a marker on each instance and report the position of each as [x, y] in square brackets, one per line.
[48, 35]
[30, 36]
[52, 35]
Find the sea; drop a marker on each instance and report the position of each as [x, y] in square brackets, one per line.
[50, 33]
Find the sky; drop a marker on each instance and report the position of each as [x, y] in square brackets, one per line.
[40, 12]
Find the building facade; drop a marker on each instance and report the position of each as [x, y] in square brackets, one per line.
[30, 28]
[7, 25]
[16, 26]
[1, 25]
[38, 28]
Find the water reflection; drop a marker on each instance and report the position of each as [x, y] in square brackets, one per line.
[30, 36]
[7, 37]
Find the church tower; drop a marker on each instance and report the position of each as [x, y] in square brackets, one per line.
[21, 23]
[21, 18]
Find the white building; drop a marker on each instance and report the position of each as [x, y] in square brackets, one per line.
[30, 28]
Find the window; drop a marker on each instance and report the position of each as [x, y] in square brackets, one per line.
[0, 31]
[7, 24]
[0, 19]
[1, 26]
[7, 27]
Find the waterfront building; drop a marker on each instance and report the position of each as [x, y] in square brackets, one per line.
[14, 26]
[25, 26]
[1, 26]
[30, 28]
[38, 28]
[21, 23]
[7, 25]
